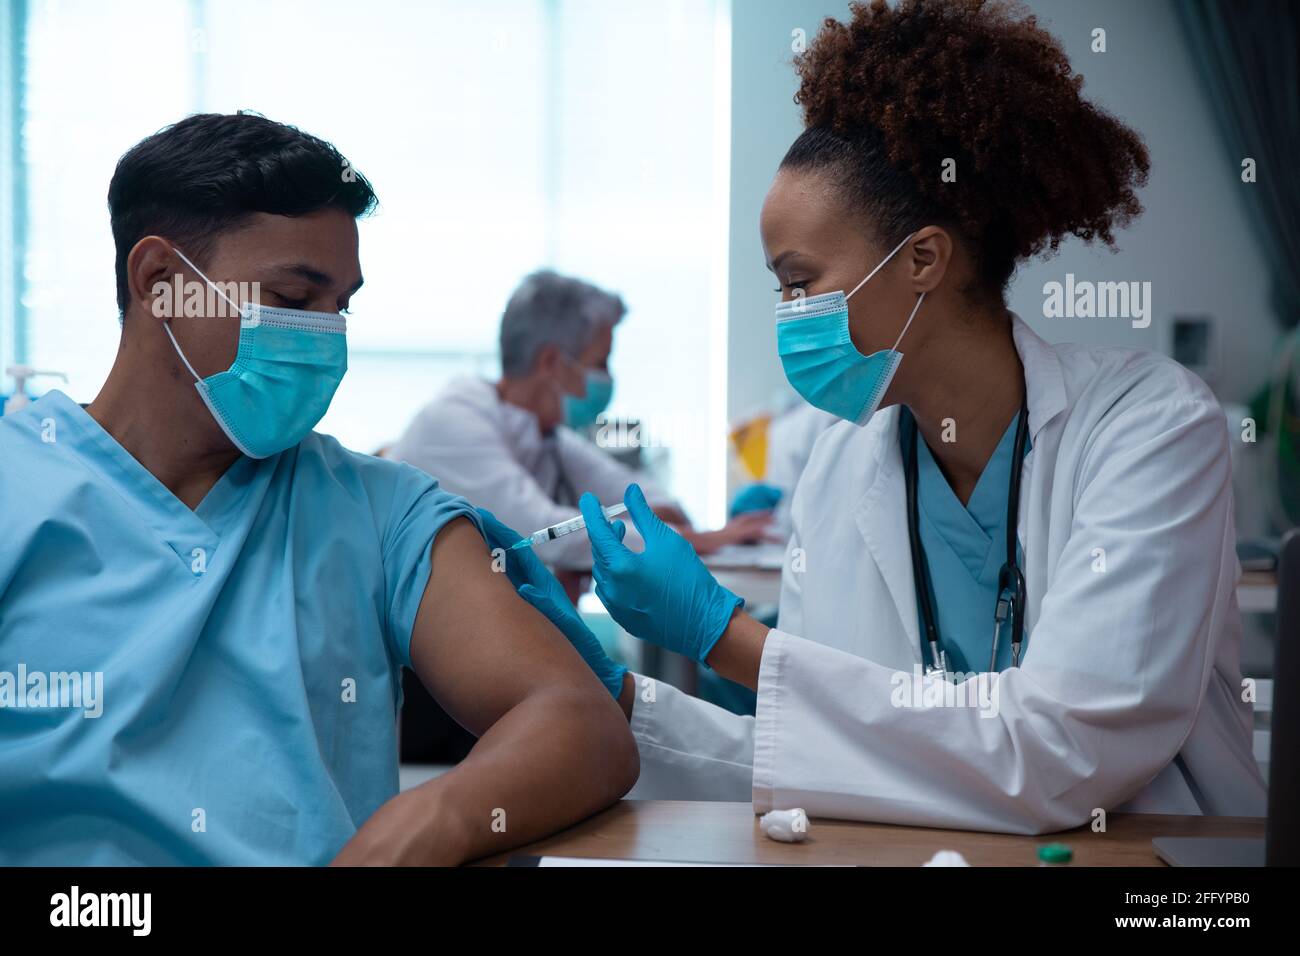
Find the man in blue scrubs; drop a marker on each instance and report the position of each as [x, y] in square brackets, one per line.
[235, 594]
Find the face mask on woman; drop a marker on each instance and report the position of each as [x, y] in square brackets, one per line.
[820, 360]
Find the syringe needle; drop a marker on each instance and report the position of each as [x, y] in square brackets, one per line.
[563, 528]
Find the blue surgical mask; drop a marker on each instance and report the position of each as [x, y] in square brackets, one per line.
[579, 413]
[822, 363]
[289, 364]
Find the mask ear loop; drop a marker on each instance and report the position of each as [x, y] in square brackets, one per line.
[216, 288]
[167, 326]
[919, 299]
[883, 263]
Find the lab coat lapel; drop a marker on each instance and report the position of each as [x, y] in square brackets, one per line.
[1046, 398]
[881, 517]
[1044, 379]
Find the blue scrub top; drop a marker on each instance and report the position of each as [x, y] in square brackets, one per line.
[965, 547]
[249, 650]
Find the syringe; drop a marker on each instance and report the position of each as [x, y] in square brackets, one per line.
[563, 528]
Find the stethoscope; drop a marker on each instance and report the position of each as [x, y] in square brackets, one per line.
[1011, 583]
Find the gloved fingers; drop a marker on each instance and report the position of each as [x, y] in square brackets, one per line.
[647, 522]
[521, 565]
[599, 591]
[534, 571]
[605, 545]
[543, 602]
[613, 680]
[498, 534]
[756, 497]
[620, 529]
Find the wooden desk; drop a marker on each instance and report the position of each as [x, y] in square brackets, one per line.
[728, 833]
[1257, 592]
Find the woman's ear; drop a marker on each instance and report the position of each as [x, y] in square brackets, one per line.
[928, 255]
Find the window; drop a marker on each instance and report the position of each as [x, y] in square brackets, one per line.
[585, 135]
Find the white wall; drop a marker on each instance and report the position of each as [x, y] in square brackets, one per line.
[764, 122]
[1192, 243]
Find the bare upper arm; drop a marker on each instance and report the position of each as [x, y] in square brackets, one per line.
[477, 646]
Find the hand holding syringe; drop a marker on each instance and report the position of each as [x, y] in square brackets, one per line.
[564, 527]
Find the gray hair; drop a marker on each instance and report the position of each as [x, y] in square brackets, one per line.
[552, 309]
[603, 306]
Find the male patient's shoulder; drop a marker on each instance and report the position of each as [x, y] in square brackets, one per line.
[380, 482]
[329, 456]
[32, 447]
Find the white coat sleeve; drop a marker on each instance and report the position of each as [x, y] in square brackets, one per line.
[690, 749]
[1116, 665]
[694, 750]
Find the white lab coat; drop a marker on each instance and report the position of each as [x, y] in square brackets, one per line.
[1129, 692]
[494, 454]
[790, 441]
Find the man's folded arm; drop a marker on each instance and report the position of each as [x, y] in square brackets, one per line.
[553, 746]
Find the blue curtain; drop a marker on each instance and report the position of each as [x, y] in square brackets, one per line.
[1248, 57]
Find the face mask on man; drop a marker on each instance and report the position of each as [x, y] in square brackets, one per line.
[822, 363]
[580, 413]
[289, 364]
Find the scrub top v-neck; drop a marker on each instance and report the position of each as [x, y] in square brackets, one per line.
[248, 651]
[965, 547]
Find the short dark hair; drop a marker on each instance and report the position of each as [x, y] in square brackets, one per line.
[211, 172]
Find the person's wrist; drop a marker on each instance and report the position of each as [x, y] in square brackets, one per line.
[437, 821]
[725, 604]
[738, 653]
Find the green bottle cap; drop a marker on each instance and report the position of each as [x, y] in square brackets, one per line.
[1055, 853]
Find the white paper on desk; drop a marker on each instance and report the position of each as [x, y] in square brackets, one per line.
[755, 557]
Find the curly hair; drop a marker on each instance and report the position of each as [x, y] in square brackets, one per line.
[891, 94]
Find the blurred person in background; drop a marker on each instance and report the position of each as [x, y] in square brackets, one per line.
[516, 446]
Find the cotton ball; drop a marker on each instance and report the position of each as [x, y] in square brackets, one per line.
[787, 826]
[947, 858]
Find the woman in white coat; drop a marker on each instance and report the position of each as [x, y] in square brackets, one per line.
[1078, 496]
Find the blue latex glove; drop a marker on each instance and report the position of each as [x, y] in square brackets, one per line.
[538, 587]
[665, 594]
[755, 497]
